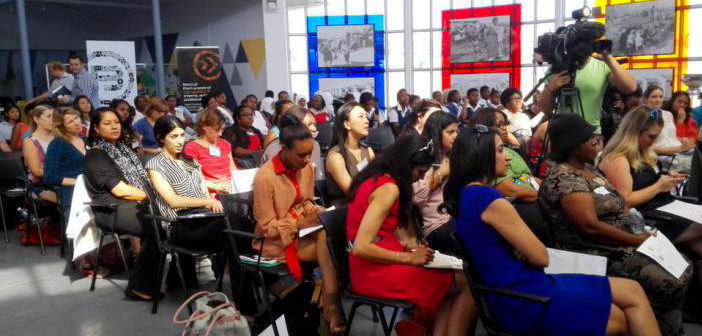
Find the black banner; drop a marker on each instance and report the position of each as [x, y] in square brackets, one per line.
[200, 71]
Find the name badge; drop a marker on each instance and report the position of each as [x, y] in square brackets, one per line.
[602, 191]
[214, 151]
[533, 183]
[362, 164]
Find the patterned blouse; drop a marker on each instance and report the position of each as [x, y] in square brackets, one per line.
[563, 180]
[185, 179]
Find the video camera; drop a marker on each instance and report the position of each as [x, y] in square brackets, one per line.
[570, 47]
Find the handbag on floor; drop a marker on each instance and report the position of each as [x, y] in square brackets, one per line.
[214, 315]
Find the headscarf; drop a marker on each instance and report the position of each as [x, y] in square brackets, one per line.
[266, 105]
[127, 163]
[328, 101]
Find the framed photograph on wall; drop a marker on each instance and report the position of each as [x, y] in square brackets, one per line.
[463, 82]
[345, 46]
[661, 77]
[481, 39]
[339, 87]
[642, 28]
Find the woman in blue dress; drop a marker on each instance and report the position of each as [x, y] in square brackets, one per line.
[508, 255]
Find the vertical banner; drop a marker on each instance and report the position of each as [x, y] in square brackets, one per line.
[200, 71]
[113, 64]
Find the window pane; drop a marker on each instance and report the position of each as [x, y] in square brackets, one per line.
[437, 7]
[396, 81]
[396, 51]
[502, 2]
[695, 2]
[315, 9]
[460, 4]
[396, 15]
[570, 6]
[546, 10]
[421, 50]
[542, 28]
[695, 33]
[528, 43]
[528, 10]
[420, 14]
[422, 84]
[375, 7]
[436, 49]
[298, 53]
[435, 81]
[482, 3]
[527, 79]
[335, 7]
[356, 7]
[299, 83]
[296, 20]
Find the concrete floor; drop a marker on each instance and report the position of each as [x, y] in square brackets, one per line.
[39, 295]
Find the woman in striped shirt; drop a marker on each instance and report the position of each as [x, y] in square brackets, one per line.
[212, 152]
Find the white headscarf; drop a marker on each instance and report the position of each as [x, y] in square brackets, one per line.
[328, 101]
[267, 105]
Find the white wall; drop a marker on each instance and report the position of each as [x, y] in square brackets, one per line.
[276, 33]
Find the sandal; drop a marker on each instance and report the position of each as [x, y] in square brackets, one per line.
[332, 314]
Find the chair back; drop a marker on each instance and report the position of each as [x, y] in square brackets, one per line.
[693, 187]
[321, 191]
[324, 137]
[380, 138]
[238, 209]
[473, 279]
[12, 171]
[334, 223]
[242, 180]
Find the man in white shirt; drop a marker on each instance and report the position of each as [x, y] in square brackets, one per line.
[376, 116]
[484, 96]
[397, 116]
[471, 105]
[139, 106]
[260, 122]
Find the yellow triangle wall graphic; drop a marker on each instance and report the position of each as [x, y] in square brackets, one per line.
[255, 50]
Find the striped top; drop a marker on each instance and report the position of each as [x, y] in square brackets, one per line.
[214, 168]
[185, 179]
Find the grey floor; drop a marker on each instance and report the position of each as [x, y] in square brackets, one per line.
[39, 295]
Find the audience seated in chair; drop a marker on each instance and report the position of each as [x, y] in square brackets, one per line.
[674, 152]
[519, 122]
[11, 119]
[419, 116]
[114, 175]
[508, 255]
[296, 115]
[126, 114]
[85, 108]
[245, 139]
[386, 260]
[428, 193]
[538, 156]
[180, 186]
[212, 152]
[64, 157]
[283, 204]
[144, 128]
[582, 206]
[41, 123]
[629, 163]
[518, 182]
[347, 155]
[281, 107]
[679, 106]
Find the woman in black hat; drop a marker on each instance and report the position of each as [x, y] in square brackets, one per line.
[583, 207]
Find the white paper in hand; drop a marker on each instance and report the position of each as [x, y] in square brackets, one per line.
[685, 210]
[445, 261]
[282, 328]
[242, 180]
[560, 261]
[660, 249]
[306, 231]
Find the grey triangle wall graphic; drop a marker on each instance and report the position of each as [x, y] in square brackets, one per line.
[228, 57]
[235, 77]
[241, 55]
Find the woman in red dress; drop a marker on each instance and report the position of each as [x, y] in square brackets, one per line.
[386, 261]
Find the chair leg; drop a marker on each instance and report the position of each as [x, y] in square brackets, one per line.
[4, 224]
[97, 261]
[120, 248]
[383, 322]
[159, 278]
[62, 225]
[375, 314]
[38, 225]
[352, 314]
[392, 319]
[176, 259]
[267, 303]
[220, 273]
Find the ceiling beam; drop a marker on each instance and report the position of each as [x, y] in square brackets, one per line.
[87, 3]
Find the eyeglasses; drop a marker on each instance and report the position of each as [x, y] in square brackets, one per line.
[480, 129]
[516, 99]
[502, 125]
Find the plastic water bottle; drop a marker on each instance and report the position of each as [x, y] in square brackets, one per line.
[636, 222]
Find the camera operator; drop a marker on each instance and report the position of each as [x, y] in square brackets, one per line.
[591, 80]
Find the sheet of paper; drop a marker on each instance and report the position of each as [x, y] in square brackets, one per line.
[445, 261]
[560, 261]
[309, 230]
[242, 180]
[660, 249]
[282, 328]
[685, 210]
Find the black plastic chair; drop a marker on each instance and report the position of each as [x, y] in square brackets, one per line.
[321, 191]
[334, 223]
[13, 181]
[111, 232]
[480, 292]
[36, 204]
[324, 137]
[380, 138]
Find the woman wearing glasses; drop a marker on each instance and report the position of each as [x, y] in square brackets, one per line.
[511, 99]
[508, 255]
[583, 207]
[144, 128]
[386, 260]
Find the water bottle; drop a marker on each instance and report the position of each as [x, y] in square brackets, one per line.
[636, 222]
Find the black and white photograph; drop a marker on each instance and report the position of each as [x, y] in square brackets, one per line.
[480, 39]
[339, 87]
[463, 82]
[660, 77]
[642, 28]
[345, 46]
